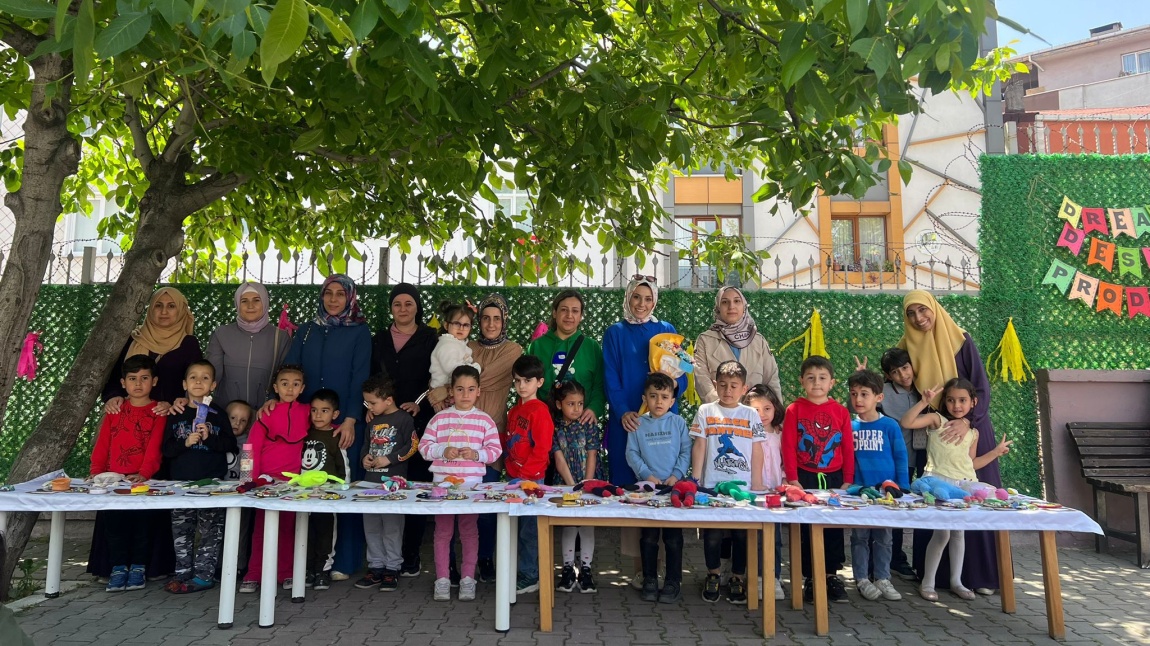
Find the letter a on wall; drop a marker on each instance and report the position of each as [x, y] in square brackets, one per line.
[1121, 222]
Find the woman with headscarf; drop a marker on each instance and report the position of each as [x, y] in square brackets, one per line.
[166, 336]
[334, 349]
[626, 364]
[403, 351]
[247, 351]
[939, 351]
[564, 344]
[495, 354]
[733, 337]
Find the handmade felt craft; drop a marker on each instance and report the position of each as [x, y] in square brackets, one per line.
[683, 493]
[599, 488]
[891, 488]
[311, 478]
[734, 489]
[937, 488]
[796, 494]
[255, 483]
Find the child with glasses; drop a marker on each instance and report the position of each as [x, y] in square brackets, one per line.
[450, 352]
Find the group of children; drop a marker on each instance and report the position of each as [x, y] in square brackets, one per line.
[746, 435]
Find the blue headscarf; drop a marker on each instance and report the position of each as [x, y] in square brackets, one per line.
[351, 315]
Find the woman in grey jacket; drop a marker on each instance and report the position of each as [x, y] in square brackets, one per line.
[247, 351]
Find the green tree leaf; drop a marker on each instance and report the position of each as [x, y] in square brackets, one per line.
[856, 15]
[336, 25]
[286, 30]
[28, 8]
[124, 32]
[83, 52]
[796, 67]
[309, 140]
[175, 12]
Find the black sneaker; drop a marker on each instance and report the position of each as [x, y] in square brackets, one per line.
[650, 591]
[323, 580]
[453, 574]
[808, 590]
[486, 570]
[836, 591]
[410, 569]
[586, 581]
[567, 580]
[711, 588]
[670, 593]
[389, 581]
[370, 580]
[309, 581]
[737, 591]
[904, 570]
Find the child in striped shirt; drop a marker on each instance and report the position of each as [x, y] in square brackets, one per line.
[460, 441]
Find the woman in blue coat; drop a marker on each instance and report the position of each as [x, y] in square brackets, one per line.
[626, 364]
[335, 352]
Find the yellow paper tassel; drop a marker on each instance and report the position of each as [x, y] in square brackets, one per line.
[692, 395]
[814, 344]
[1010, 362]
[434, 322]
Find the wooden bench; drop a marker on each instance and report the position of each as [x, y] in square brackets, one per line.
[1116, 459]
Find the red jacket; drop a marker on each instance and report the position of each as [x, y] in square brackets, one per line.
[277, 440]
[129, 442]
[818, 438]
[527, 440]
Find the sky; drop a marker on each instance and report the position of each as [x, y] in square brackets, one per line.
[1065, 21]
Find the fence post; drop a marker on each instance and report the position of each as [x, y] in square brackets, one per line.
[88, 266]
[384, 264]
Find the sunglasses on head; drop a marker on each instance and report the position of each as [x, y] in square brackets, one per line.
[649, 279]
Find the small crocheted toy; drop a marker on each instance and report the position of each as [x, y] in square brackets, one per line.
[599, 488]
[683, 493]
[734, 489]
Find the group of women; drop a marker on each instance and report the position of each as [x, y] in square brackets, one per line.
[338, 351]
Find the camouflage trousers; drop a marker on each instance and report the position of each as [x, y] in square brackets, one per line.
[203, 559]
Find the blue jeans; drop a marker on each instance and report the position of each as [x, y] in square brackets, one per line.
[528, 564]
[871, 545]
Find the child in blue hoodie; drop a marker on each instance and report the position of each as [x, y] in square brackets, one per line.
[880, 455]
[659, 452]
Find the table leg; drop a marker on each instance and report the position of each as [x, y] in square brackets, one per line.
[1055, 622]
[796, 568]
[819, 578]
[768, 535]
[268, 583]
[299, 557]
[546, 573]
[504, 582]
[752, 577]
[55, 555]
[228, 568]
[1005, 571]
[513, 559]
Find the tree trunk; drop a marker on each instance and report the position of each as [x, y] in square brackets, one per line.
[51, 155]
[159, 238]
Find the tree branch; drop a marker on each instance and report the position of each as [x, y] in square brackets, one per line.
[140, 148]
[19, 39]
[537, 83]
[184, 130]
[206, 191]
[734, 17]
[344, 158]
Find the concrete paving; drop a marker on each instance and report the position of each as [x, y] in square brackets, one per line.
[1106, 597]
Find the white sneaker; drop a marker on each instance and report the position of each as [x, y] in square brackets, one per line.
[888, 592]
[287, 584]
[869, 590]
[779, 595]
[443, 589]
[336, 575]
[466, 589]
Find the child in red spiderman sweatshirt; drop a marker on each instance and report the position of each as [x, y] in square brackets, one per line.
[527, 452]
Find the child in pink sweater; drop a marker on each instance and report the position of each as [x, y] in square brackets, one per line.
[277, 447]
[460, 441]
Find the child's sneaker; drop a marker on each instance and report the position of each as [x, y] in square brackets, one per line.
[888, 592]
[586, 581]
[567, 580]
[336, 575]
[248, 587]
[670, 593]
[136, 580]
[779, 594]
[711, 588]
[737, 591]
[389, 581]
[808, 590]
[118, 582]
[650, 591]
[442, 589]
[836, 591]
[370, 580]
[525, 585]
[868, 590]
[309, 580]
[467, 589]
[486, 570]
[322, 581]
[410, 568]
[287, 584]
[904, 570]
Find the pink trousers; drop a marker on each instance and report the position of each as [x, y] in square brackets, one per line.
[286, 545]
[468, 535]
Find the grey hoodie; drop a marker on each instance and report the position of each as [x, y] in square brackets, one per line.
[245, 362]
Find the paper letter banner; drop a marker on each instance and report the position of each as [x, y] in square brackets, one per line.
[1109, 297]
[1094, 220]
[1137, 301]
[1071, 238]
[1141, 220]
[1060, 275]
[1070, 212]
[1101, 253]
[1146, 254]
[1129, 262]
[1083, 288]
[1121, 222]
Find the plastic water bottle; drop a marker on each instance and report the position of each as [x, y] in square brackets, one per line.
[246, 463]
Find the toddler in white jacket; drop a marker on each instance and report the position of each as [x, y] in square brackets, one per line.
[451, 351]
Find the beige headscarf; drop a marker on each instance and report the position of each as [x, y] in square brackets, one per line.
[931, 353]
[150, 337]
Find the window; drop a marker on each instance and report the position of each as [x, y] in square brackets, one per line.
[83, 228]
[1136, 63]
[858, 243]
[704, 276]
[514, 203]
